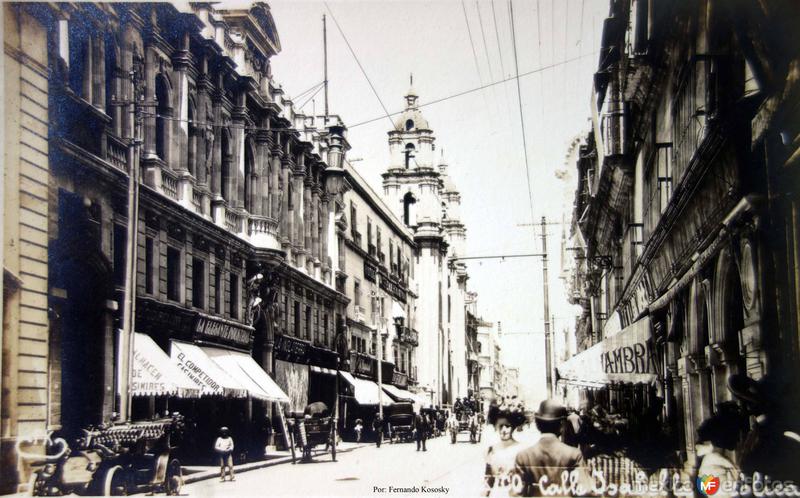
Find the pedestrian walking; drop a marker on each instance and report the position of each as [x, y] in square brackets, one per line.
[501, 456]
[421, 428]
[716, 439]
[377, 427]
[359, 428]
[223, 446]
[572, 429]
[771, 448]
[549, 458]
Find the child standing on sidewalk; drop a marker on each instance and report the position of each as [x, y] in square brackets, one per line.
[224, 448]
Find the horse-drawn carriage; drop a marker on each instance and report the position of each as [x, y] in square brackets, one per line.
[311, 428]
[400, 417]
[469, 422]
[114, 459]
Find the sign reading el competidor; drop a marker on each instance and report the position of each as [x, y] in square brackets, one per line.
[209, 327]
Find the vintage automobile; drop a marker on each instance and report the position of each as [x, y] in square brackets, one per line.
[113, 459]
[400, 419]
[313, 427]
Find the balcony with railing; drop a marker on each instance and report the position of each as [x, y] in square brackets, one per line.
[169, 184]
[233, 221]
[117, 152]
[263, 231]
[409, 336]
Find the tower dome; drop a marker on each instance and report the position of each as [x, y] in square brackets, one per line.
[411, 119]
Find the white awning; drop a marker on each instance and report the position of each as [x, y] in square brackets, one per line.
[154, 374]
[248, 373]
[397, 393]
[397, 310]
[366, 392]
[204, 372]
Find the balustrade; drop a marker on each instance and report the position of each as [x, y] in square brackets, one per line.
[117, 152]
[169, 185]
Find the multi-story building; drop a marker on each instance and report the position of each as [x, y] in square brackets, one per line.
[422, 194]
[690, 271]
[236, 207]
[473, 345]
[376, 253]
[25, 414]
[489, 359]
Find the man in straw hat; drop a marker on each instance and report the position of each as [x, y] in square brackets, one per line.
[548, 460]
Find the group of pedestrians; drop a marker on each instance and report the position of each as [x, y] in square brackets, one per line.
[511, 471]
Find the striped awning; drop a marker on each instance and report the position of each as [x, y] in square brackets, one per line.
[248, 373]
[154, 374]
[204, 372]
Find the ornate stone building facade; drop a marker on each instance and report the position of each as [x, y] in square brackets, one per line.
[236, 214]
[686, 254]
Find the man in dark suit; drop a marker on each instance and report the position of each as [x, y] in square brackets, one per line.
[549, 457]
[421, 428]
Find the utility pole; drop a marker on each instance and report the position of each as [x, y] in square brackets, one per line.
[379, 332]
[131, 255]
[325, 61]
[548, 349]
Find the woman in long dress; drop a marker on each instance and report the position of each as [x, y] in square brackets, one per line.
[505, 418]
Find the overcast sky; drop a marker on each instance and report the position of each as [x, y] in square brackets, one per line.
[480, 133]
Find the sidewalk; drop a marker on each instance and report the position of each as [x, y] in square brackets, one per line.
[193, 473]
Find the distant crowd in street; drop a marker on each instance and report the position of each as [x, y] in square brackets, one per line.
[748, 442]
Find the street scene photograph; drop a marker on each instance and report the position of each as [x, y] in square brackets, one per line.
[446, 248]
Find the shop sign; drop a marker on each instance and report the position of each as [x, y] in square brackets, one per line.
[624, 357]
[290, 347]
[370, 271]
[393, 289]
[210, 327]
[400, 379]
[362, 364]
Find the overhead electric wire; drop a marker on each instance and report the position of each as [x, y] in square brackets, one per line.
[521, 114]
[311, 97]
[472, 43]
[435, 101]
[305, 92]
[502, 64]
[482, 87]
[341, 32]
[485, 45]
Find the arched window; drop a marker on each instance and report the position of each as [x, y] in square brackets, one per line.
[249, 178]
[191, 143]
[409, 124]
[163, 110]
[409, 153]
[225, 188]
[408, 201]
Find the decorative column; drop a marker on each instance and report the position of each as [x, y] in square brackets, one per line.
[239, 118]
[99, 72]
[325, 213]
[287, 216]
[263, 146]
[315, 224]
[181, 128]
[298, 235]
